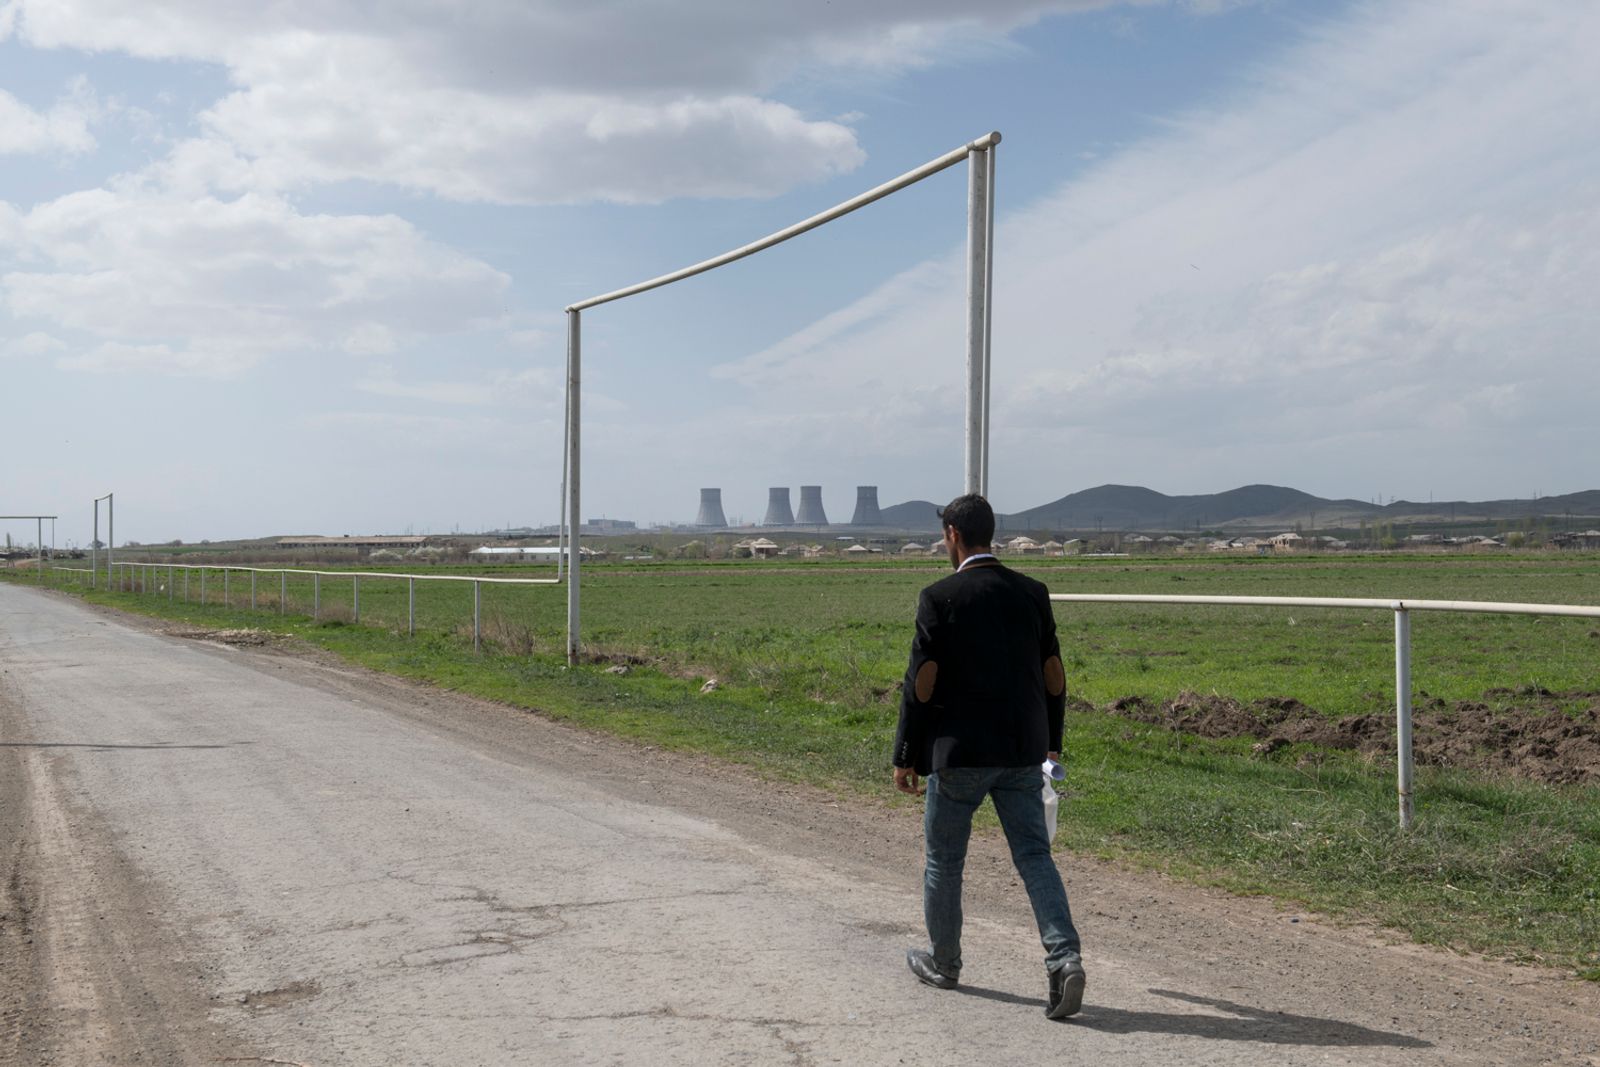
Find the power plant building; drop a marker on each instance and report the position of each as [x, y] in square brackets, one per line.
[781, 515]
[711, 509]
[811, 512]
[867, 513]
[778, 511]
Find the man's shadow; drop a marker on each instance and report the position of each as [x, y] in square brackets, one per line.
[1248, 1024]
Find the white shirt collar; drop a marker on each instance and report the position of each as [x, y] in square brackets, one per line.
[974, 556]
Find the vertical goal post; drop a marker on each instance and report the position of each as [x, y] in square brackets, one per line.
[979, 155]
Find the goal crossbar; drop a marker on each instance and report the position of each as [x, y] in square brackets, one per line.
[979, 154]
[894, 185]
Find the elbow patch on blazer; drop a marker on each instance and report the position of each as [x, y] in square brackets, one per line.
[1055, 677]
[927, 675]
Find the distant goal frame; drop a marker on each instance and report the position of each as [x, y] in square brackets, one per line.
[979, 155]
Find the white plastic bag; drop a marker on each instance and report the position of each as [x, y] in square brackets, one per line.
[1053, 772]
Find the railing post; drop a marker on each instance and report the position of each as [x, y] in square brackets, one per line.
[186, 585]
[283, 592]
[227, 576]
[355, 597]
[316, 595]
[252, 590]
[477, 612]
[202, 587]
[1402, 710]
[172, 592]
[411, 607]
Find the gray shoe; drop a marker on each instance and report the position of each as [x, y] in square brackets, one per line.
[1066, 991]
[928, 972]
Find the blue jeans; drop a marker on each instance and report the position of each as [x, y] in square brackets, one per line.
[954, 794]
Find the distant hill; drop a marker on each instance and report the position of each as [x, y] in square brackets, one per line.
[1585, 503]
[1133, 507]
[912, 515]
[1125, 507]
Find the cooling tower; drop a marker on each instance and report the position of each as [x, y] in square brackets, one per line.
[710, 509]
[778, 511]
[811, 513]
[866, 507]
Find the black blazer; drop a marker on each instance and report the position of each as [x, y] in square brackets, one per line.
[990, 630]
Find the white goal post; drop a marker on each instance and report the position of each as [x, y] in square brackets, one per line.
[979, 155]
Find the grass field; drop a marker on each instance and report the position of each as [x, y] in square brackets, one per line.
[807, 656]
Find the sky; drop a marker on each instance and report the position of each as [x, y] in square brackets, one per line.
[301, 267]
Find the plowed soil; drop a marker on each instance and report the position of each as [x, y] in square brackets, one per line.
[1529, 733]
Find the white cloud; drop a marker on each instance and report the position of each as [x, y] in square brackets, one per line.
[1379, 253]
[63, 129]
[32, 345]
[384, 435]
[532, 338]
[187, 361]
[551, 148]
[370, 339]
[532, 102]
[534, 386]
[789, 358]
[210, 285]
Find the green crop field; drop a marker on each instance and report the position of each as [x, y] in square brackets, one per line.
[807, 656]
[839, 632]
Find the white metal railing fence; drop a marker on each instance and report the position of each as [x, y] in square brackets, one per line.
[137, 577]
[1402, 643]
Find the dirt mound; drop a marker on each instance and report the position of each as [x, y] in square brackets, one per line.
[226, 637]
[1525, 732]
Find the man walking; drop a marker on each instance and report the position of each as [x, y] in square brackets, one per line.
[981, 709]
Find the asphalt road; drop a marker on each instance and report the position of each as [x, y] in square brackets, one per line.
[222, 854]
